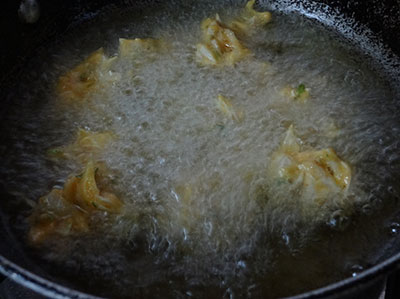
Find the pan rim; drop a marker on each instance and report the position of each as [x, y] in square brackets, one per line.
[52, 289]
[55, 290]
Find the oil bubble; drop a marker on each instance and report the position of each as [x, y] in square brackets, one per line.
[29, 11]
[286, 239]
[367, 209]
[394, 228]
[356, 269]
[338, 220]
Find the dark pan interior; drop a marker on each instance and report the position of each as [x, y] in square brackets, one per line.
[21, 41]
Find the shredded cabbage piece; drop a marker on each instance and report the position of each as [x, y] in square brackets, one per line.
[78, 83]
[317, 173]
[66, 212]
[88, 145]
[250, 19]
[55, 215]
[138, 47]
[220, 45]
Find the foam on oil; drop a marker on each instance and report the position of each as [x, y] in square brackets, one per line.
[230, 238]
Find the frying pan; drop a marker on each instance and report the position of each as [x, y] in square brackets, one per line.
[373, 25]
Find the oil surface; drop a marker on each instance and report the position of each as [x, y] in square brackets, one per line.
[231, 240]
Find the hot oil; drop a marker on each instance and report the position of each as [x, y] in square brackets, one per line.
[197, 218]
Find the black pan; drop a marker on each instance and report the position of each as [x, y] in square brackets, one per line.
[375, 26]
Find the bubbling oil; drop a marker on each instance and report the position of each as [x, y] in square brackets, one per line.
[197, 217]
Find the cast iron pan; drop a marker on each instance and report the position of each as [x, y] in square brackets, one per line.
[374, 22]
